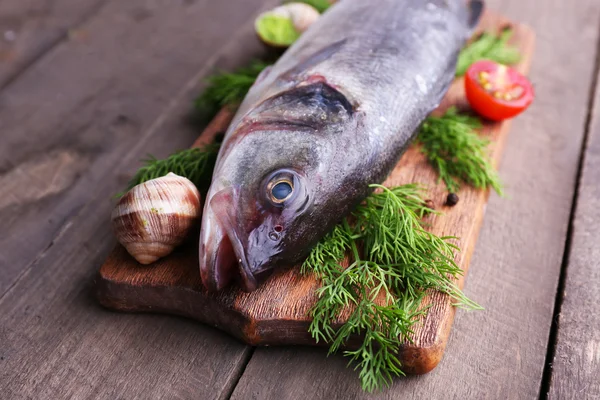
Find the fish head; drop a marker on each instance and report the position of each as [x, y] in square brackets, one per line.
[255, 215]
[265, 208]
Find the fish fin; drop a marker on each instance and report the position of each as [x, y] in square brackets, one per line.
[315, 59]
[475, 10]
[311, 106]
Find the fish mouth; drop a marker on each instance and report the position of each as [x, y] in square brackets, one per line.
[222, 255]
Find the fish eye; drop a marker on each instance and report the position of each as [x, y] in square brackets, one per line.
[284, 188]
[280, 190]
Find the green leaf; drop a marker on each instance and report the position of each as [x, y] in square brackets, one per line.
[457, 152]
[196, 164]
[392, 257]
[488, 47]
[229, 88]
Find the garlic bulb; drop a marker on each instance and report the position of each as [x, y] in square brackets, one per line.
[301, 14]
[154, 217]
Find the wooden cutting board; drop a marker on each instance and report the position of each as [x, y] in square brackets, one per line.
[277, 312]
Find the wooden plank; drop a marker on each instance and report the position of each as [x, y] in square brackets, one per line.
[499, 352]
[576, 365]
[89, 102]
[28, 29]
[104, 103]
[279, 313]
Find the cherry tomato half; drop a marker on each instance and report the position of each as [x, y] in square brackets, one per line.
[496, 91]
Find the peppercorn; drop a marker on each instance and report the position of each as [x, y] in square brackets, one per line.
[452, 199]
[430, 204]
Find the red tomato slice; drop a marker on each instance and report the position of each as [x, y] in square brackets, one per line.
[496, 91]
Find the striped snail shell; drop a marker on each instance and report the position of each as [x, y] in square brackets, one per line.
[154, 217]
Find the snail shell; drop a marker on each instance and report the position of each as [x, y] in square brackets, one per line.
[154, 217]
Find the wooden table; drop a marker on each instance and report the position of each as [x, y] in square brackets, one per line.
[88, 87]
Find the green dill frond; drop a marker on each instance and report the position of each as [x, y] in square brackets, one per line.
[332, 247]
[457, 152]
[320, 5]
[488, 47]
[196, 164]
[393, 262]
[229, 88]
[377, 357]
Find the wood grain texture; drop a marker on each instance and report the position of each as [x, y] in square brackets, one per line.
[576, 365]
[88, 103]
[498, 353]
[278, 312]
[122, 94]
[29, 28]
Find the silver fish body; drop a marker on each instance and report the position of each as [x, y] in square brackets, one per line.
[332, 116]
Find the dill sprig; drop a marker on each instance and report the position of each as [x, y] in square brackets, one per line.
[393, 261]
[488, 46]
[196, 164]
[457, 152]
[229, 88]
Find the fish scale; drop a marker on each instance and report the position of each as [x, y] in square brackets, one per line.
[331, 117]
